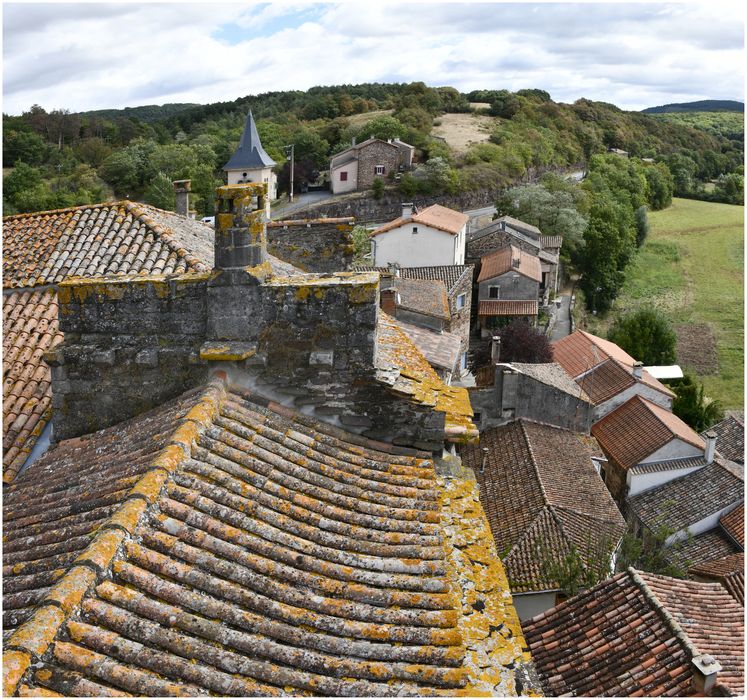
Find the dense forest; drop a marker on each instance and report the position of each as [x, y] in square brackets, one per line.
[699, 106]
[56, 158]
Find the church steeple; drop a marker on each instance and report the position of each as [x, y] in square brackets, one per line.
[250, 154]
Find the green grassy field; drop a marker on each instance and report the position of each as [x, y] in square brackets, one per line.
[692, 267]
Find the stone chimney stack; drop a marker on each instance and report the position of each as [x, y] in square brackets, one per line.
[182, 188]
[240, 227]
[705, 672]
[710, 441]
[406, 210]
[638, 370]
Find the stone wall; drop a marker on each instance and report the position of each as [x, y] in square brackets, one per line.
[459, 323]
[516, 395]
[376, 153]
[307, 342]
[130, 344]
[519, 287]
[313, 245]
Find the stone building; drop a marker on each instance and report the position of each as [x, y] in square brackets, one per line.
[607, 374]
[508, 287]
[258, 511]
[357, 167]
[313, 245]
[509, 231]
[250, 162]
[542, 392]
[457, 281]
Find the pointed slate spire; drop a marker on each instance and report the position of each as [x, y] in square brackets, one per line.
[250, 153]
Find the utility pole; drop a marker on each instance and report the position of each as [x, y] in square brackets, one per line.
[292, 149]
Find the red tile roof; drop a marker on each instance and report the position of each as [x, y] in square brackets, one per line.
[543, 497]
[733, 524]
[606, 380]
[636, 634]
[502, 261]
[507, 307]
[580, 352]
[30, 328]
[637, 428]
[226, 545]
[422, 296]
[435, 216]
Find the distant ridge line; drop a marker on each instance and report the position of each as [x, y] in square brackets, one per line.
[698, 106]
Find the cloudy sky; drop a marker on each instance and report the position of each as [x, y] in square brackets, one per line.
[100, 55]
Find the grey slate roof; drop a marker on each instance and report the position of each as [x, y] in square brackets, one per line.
[450, 275]
[730, 442]
[440, 349]
[682, 502]
[250, 153]
[552, 374]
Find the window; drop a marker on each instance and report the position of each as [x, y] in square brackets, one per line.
[414, 229]
[461, 300]
[344, 176]
[463, 361]
[477, 418]
[379, 170]
[494, 292]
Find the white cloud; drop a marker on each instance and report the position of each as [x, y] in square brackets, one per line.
[89, 56]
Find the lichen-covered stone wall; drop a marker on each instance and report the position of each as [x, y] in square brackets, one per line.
[306, 341]
[313, 245]
[130, 344]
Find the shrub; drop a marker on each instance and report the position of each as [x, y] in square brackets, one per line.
[692, 406]
[521, 342]
[647, 335]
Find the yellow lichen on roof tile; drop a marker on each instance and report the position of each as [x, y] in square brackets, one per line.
[37, 633]
[425, 386]
[497, 655]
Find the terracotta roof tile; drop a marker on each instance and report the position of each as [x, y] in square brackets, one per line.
[271, 557]
[507, 307]
[436, 216]
[636, 634]
[403, 368]
[551, 241]
[542, 497]
[733, 524]
[502, 261]
[553, 375]
[606, 380]
[29, 329]
[708, 545]
[689, 499]
[638, 428]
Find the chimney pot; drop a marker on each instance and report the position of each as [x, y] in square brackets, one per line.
[638, 369]
[388, 301]
[407, 208]
[240, 226]
[495, 349]
[710, 449]
[705, 672]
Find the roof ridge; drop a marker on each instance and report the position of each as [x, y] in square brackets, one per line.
[533, 459]
[33, 637]
[663, 613]
[166, 234]
[45, 212]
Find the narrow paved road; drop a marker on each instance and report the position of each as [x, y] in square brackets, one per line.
[562, 326]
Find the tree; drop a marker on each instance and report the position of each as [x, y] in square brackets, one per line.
[120, 170]
[204, 184]
[660, 186]
[692, 406]
[651, 553]
[646, 335]
[384, 127]
[23, 146]
[378, 188]
[521, 342]
[730, 188]
[641, 225]
[362, 245]
[160, 193]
